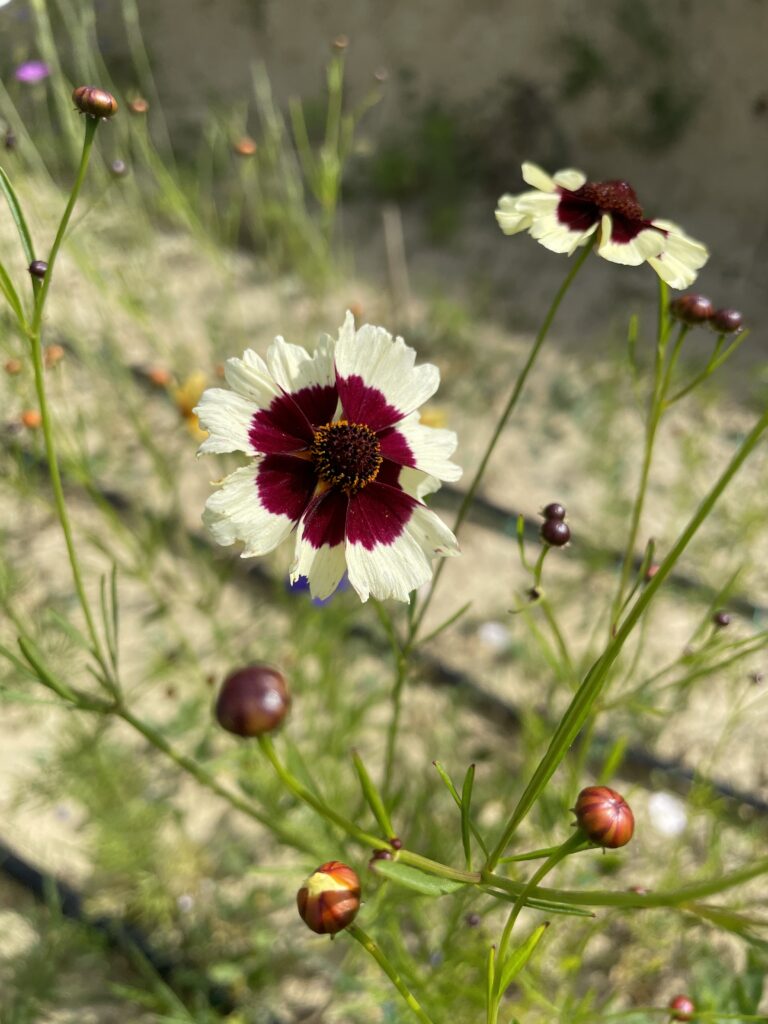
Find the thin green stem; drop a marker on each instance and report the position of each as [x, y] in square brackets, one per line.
[596, 678]
[509, 408]
[379, 956]
[315, 802]
[396, 701]
[35, 338]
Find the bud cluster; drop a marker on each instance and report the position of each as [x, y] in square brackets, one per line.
[554, 530]
[694, 309]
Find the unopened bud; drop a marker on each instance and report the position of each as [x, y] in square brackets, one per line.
[721, 619]
[341, 42]
[682, 1008]
[94, 102]
[246, 146]
[329, 899]
[13, 367]
[31, 419]
[252, 701]
[554, 510]
[555, 532]
[138, 105]
[692, 309]
[604, 816]
[38, 269]
[726, 321]
[52, 355]
[118, 168]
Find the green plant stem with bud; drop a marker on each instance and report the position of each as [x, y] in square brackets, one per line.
[416, 616]
[40, 291]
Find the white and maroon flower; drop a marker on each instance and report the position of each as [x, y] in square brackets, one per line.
[565, 210]
[339, 456]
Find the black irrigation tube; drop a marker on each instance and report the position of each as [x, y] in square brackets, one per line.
[637, 763]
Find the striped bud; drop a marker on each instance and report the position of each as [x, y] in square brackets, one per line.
[94, 102]
[329, 899]
[604, 816]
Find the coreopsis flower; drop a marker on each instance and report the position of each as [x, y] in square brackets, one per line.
[565, 210]
[340, 458]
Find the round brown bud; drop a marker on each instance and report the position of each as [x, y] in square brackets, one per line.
[138, 105]
[329, 899]
[726, 321]
[682, 1008]
[52, 355]
[94, 102]
[341, 42]
[159, 376]
[555, 532]
[553, 511]
[12, 367]
[246, 146]
[252, 701]
[31, 419]
[378, 855]
[721, 619]
[604, 816]
[118, 168]
[38, 269]
[692, 309]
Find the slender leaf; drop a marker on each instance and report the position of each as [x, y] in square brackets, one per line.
[412, 878]
[466, 803]
[373, 797]
[454, 793]
[520, 957]
[536, 903]
[18, 216]
[10, 293]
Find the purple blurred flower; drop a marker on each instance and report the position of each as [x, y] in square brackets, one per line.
[32, 71]
[302, 584]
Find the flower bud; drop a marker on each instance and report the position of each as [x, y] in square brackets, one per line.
[555, 532]
[691, 309]
[31, 419]
[13, 367]
[554, 511]
[252, 701]
[340, 43]
[138, 105]
[52, 355]
[726, 321]
[682, 1008]
[721, 619]
[38, 269]
[604, 816]
[245, 146]
[118, 168]
[94, 102]
[329, 899]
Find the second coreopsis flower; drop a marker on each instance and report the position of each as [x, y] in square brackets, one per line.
[340, 458]
[565, 210]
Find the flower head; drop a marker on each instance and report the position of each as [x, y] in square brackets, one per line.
[32, 71]
[340, 457]
[565, 210]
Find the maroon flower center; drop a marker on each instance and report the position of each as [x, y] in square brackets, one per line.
[617, 197]
[346, 455]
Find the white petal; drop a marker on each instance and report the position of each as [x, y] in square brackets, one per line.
[558, 237]
[294, 368]
[416, 483]
[570, 179]
[323, 567]
[227, 416]
[642, 247]
[251, 378]
[431, 448]
[385, 364]
[509, 218]
[534, 176]
[682, 257]
[539, 204]
[235, 512]
[394, 570]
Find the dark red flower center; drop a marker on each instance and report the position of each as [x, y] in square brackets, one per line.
[617, 197]
[346, 455]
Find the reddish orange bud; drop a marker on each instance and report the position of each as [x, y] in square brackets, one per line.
[604, 816]
[159, 376]
[53, 354]
[31, 419]
[246, 146]
[682, 1008]
[252, 701]
[94, 102]
[330, 898]
[138, 105]
[12, 367]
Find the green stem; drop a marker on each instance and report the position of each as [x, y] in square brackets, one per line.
[596, 678]
[35, 338]
[469, 496]
[306, 796]
[396, 701]
[379, 956]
